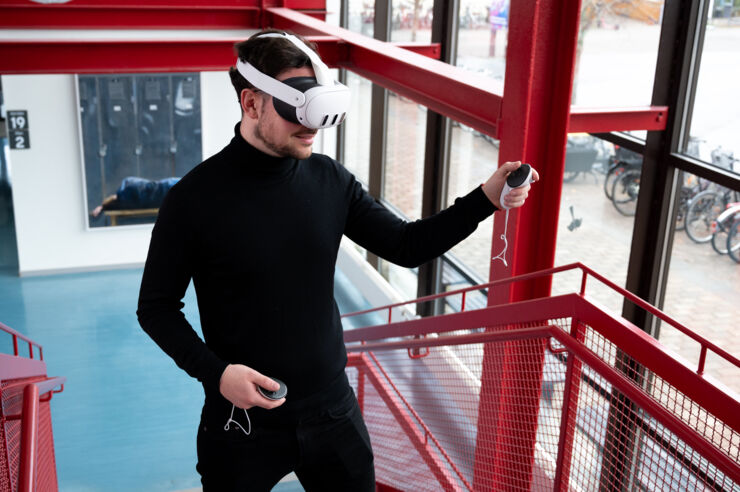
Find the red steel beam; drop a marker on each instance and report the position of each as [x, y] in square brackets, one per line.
[601, 120]
[136, 14]
[535, 116]
[68, 17]
[43, 56]
[467, 97]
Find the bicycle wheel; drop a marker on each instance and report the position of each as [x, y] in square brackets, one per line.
[703, 209]
[684, 198]
[625, 191]
[611, 175]
[719, 238]
[733, 241]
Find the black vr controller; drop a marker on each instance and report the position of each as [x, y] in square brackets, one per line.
[274, 395]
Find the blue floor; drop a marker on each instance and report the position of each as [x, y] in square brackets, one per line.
[127, 418]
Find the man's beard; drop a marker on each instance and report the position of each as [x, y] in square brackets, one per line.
[281, 150]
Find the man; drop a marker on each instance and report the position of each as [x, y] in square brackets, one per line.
[257, 227]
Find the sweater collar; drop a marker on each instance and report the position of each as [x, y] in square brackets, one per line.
[254, 160]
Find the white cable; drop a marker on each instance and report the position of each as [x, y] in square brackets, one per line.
[502, 255]
[231, 419]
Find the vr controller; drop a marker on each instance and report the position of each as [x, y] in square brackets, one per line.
[521, 177]
[281, 392]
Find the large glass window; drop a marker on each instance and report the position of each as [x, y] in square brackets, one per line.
[404, 157]
[596, 219]
[361, 14]
[704, 280]
[411, 20]
[617, 52]
[482, 36]
[404, 175]
[473, 158]
[357, 128]
[715, 122]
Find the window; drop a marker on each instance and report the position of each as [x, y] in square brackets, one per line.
[411, 21]
[715, 120]
[597, 209]
[617, 53]
[473, 158]
[361, 14]
[357, 128]
[482, 37]
[404, 175]
[704, 281]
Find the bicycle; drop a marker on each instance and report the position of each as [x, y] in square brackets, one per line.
[721, 227]
[622, 161]
[625, 190]
[733, 241]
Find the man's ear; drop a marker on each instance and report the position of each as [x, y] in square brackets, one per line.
[250, 102]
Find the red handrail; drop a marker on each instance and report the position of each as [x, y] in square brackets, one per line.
[32, 393]
[16, 336]
[703, 342]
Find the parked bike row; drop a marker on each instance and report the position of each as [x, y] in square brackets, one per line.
[709, 213]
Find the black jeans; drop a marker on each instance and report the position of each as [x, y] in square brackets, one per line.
[328, 450]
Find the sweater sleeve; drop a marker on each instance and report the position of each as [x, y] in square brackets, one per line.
[411, 244]
[168, 270]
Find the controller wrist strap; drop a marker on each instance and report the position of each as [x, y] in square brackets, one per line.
[502, 255]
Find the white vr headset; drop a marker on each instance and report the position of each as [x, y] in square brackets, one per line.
[319, 102]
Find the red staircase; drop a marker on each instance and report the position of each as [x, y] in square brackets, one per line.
[26, 441]
[555, 393]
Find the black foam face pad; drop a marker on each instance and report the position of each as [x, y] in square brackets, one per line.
[285, 110]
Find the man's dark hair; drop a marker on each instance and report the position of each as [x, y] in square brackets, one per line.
[269, 55]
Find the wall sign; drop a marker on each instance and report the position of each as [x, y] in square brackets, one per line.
[18, 129]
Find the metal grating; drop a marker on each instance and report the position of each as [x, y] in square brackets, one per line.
[550, 412]
[11, 396]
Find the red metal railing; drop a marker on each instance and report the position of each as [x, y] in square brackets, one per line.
[610, 398]
[27, 462]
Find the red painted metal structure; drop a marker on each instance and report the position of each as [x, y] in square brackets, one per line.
[690, 423]
[26, 441]
[530, 114]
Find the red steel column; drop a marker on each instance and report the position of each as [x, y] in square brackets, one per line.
[533, 128]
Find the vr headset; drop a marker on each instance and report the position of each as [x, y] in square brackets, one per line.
[319, 102]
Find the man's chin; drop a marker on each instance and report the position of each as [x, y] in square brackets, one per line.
[303, 152]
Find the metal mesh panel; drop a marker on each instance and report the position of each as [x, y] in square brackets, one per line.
[46, 470]
[535, 418]
[12, 404]
[637, 451]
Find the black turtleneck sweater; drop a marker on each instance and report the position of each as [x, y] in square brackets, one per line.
[259, 236]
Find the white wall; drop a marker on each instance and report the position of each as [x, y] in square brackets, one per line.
[220, 111]
[48, 197]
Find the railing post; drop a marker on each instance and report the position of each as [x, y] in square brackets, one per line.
[29, 438]
[569, 411]
[361, 386]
